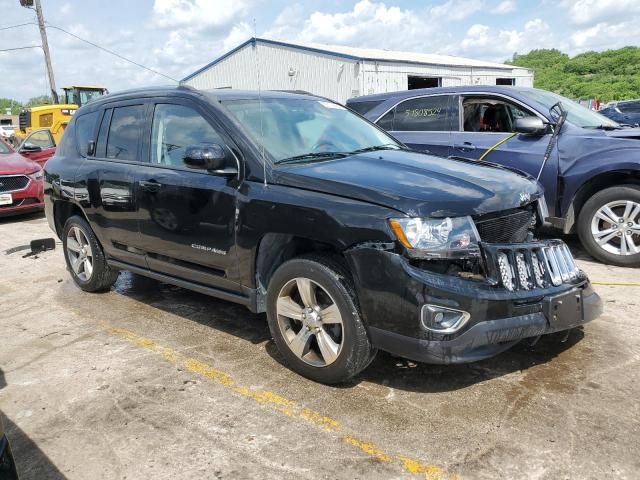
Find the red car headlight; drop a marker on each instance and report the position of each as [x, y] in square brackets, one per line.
[37, 175]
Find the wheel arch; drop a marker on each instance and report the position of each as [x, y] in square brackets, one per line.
[62, 211]
[276, 248]
[594, 185]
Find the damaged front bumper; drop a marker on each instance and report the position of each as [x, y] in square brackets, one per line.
[501, 311]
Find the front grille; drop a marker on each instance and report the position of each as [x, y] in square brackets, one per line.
[505, 227]
[529, 266]
[14, 182]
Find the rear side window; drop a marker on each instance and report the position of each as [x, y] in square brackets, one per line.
[425, 114]
[364, 107]
[85, 131]
[124, 132]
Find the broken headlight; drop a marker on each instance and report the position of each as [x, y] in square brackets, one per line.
[448, 237]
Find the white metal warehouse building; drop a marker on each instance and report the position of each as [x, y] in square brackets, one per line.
[340, 72]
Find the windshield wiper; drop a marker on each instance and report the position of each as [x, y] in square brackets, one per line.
[386, 146]
[311, 156]
[604, 127]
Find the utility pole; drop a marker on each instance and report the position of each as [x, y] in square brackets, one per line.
[45, 44]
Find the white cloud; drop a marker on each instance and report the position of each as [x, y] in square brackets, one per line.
[612, 35]
[505, 7]
[586, 12]
[197, 14]
[455, 10]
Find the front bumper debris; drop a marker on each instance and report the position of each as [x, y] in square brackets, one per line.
[393, 291]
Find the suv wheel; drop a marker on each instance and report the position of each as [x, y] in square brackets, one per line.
[609, 226]
[85, 258]
[315, 322]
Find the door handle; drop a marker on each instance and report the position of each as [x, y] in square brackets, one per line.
[150, 186]
[465, 147]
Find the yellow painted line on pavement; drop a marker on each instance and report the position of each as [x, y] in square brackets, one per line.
[287, 407]
[618, 284]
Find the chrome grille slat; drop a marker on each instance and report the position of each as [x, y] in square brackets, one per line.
[529, 266]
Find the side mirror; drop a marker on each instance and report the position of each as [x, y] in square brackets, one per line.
[530, 126]
[30, 148]
[211, 157]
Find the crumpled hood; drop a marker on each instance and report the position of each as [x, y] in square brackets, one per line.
[15, 164]
[415, 183]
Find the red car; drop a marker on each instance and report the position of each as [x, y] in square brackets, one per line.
[21, 175]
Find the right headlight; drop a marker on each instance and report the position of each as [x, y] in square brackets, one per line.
[450, 237]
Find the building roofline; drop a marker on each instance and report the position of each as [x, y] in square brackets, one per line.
[327, 51]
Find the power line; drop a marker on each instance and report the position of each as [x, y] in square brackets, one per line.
[18, 48]
[16, 26]
[111, 52]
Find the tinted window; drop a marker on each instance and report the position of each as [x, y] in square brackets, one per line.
[85, 130]
[124, 132]
[176, 127]
[363, 107]
[426, 114]
[631, 107]
[101, 147]
[67, 145]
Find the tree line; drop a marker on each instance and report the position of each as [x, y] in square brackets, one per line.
[16, 106]
[608, 75]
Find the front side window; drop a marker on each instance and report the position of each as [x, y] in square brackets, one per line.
[41, 138]
[291, 127]
[423, 114]
[175, 127]
[491, 115]
[4, 148]
[85, 129]
[124, 132]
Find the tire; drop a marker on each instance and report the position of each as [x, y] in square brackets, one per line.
[100, 277]
[591, 224]
[332, 287]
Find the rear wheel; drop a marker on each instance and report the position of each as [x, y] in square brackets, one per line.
[315, 322]
[85, 258]
[609, 226]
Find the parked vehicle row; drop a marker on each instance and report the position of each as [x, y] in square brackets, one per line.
[295, 206]
[624, 112]
[21, 175]
[591, 175]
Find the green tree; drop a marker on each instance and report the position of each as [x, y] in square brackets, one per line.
[14, 105]
[608, 75]
[40, 100]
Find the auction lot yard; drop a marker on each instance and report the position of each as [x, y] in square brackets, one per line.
[152, 381]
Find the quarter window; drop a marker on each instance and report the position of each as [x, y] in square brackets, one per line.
[176, 127]
[124, 132]
[85, 129]
[424, 114]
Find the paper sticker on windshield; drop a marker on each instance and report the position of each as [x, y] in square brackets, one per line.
[331, 105]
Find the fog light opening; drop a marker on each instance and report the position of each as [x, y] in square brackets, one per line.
[443, 319]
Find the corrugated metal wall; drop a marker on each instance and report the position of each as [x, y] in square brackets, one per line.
[287, 68]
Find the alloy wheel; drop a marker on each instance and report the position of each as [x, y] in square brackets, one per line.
[310, 322]
[79, 253]
[616, 227]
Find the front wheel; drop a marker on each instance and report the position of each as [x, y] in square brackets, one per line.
[315, 322]
[609, 226]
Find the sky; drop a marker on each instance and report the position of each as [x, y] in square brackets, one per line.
[176, 37]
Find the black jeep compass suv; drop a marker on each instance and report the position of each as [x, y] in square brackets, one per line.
[295, 206]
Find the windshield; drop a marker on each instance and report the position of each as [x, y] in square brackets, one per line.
[82, 97]
[576, 114]
[301, 127]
